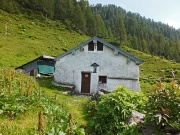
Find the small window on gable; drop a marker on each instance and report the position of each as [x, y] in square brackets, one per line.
[102, 79]
[91, 46]
[99, 46]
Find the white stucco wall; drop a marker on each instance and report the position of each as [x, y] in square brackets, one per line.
[68, 69]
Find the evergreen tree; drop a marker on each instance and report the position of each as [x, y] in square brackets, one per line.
[110, 35]
[90, 22]
[100, 27]
[48, 7]
[59, 10]
[121, 32]
[134, 42]
[79, 19]
[70, 8]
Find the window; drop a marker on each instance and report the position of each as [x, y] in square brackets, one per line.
[99, 46]
[91, 46]
[102, 79]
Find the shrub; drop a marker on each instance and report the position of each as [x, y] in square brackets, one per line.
[131, 130]
[163, 106]
[109, 114]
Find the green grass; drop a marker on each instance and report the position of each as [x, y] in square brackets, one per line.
[16, 89]
[154, 69]
[23, 39]
[25, 125]
[73, 104]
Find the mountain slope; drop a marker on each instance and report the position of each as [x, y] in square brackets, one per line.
[155, 69]
[107, 21]
[23, 40]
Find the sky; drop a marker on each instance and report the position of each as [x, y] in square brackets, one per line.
[166, 11]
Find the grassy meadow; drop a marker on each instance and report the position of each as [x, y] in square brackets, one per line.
[24, 39]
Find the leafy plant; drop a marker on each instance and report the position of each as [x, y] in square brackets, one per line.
[131, 130]
[109, 114]
[163, 106]
[59, 122]
[19, 93]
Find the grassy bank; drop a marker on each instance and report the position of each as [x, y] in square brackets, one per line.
[24, 39]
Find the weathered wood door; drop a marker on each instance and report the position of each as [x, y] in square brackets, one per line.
[32, 73]
[85, 84]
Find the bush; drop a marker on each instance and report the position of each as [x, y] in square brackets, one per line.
[131, 130]
[109, 114]
[163, 106]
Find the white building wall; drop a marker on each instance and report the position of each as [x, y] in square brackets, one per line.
[68, 69]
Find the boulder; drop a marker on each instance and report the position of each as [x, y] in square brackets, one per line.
[96, 95]
[135, 118]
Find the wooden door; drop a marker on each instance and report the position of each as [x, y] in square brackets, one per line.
[85, 84]
[32, 73]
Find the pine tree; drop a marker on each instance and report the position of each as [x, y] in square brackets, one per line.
[59, 10]
[79, 19]
[110, 35]
[48, 7]
[100, 27]
[121, 32]
[90, 22]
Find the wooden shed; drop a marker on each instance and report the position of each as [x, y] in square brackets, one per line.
[43, 65]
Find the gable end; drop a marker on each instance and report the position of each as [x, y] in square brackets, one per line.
[95, 40]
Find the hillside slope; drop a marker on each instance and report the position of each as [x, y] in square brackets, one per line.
[155, 69]
[23, 40]
[107, 21]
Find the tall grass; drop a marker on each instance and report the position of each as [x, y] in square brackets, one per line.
[21, 95]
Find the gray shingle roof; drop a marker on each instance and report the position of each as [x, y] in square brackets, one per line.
[118, 51]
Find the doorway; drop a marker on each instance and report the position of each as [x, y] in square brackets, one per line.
[85, 84]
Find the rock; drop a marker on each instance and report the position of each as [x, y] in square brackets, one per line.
[135, 118]
[66, 92]
[100, 93]
[105, 91]
[169, 129]
[97, 95]
[147, 131]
